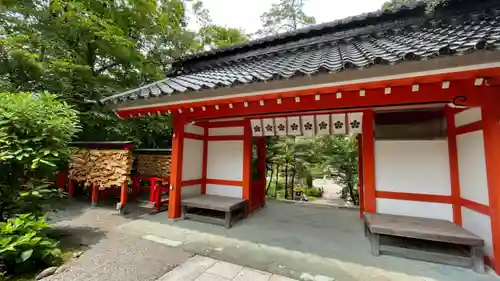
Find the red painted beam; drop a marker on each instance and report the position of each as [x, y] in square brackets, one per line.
[414, 197]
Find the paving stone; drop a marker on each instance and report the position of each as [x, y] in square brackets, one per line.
[225, 269]
[189, 270]
[210, 277]
[247, 274]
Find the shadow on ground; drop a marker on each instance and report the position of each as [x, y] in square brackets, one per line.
[290, 239]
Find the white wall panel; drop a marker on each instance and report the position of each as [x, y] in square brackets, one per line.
[191, 190]
[227, 131]
[225, 160]
[467, 116]
[480, 225]
[193, 129]
[415, 209]
[414, 166]
[192, 159]
[225, 190]
[472, 167]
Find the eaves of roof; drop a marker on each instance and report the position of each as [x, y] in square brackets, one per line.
[375, 43]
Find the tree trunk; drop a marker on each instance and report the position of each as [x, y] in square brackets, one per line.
[292, 183]
[286, 180]
[350, 187]
[270, 180]
[277, 181]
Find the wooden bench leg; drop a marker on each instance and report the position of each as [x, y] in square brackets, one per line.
[367, 231]
[228, 219]
[478, 259]
[375, 241]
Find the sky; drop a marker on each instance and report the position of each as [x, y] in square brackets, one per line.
[245, 14]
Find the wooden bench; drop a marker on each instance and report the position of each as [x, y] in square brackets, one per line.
[228, 205]
[436, 235]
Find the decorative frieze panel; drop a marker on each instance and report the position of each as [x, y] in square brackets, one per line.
[268, 126]
[294, 128]
[338, 124]
[309, 125]
[281, 126]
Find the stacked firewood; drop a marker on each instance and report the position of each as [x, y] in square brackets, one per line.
[153, 165]
[106, 168]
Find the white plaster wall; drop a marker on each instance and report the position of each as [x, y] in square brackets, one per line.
[472, 167]
[190, 190]
[226, 131]
[415, 209]
[225, 160]
[480, 225]
[467, 116]
[225, 190]
[412, 166]
[193, 129]
[192, 159]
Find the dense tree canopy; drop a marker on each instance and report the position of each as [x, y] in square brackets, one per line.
[86, 50]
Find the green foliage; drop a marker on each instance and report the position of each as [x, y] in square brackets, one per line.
[340, 158]
[432, 5]
[313, 192]
[24, 246]
[86, 50]
[35, 130]
[287, 15]
[212, 36]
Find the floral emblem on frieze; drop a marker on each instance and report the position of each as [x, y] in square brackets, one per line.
[256, 129]
[308, 126]
[338, 125]
[281, 127]
[323, 125]
[355, 124]
[269, 128]
[294, 127]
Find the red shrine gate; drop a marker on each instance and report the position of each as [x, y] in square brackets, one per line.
[377, 75]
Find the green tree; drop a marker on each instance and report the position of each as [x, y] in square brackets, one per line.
[85, 50]
[287, 15]
[432, 5]
[340, 158]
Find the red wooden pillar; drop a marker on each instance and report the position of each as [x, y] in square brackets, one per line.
[95, 195]
[360, 176]
[247, 164]
[491, 133]
[368, 155]
[71, 188]
[174, 203]
[205, 162]
[453, 157]
[123, 195]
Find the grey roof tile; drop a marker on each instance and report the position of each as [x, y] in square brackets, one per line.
[387, 42]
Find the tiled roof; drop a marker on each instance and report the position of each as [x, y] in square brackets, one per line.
[387, 42]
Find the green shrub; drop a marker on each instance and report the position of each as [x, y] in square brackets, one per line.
[24, 247]
[313, 192]
[35, 130]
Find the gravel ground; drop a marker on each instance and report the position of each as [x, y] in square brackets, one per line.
[110, 255]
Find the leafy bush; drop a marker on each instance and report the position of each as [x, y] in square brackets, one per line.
[35, 130]
[24, 246]
[314, 192]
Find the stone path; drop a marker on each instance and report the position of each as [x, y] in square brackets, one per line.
[200, 268]
[111, 255]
